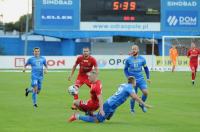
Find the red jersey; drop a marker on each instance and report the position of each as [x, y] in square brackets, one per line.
[86, 64]
[96, 89]
[193, 54]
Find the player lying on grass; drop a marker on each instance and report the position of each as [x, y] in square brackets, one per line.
[86, 63]
[96, 100]
[193, 54]
[133, 67]
[36, 62]
[124, 91]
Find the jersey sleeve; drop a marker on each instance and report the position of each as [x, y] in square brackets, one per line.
[126, 68]
[45, 62]
[28, 62]
[94, 62]
[188, 53]
[130, 90]
[78, 60]
[144, 63]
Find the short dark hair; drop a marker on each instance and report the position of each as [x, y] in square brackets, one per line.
[131, 79]
[36, 48]
[86, 48]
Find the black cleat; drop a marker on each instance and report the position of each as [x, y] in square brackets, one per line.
[26, 92]
[35, 105]
[193, 83]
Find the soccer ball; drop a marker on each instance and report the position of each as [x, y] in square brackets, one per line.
[72, 90]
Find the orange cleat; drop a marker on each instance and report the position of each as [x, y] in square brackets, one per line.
[72, 118]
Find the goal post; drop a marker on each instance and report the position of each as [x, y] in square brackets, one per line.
[182, 43]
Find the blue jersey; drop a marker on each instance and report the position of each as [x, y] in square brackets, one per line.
[124, 91]
[133, 67]
[36, 64]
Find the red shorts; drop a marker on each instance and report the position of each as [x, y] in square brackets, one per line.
[88, 106]
[193, 67]
[82, 79]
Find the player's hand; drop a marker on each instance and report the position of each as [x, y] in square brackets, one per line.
[102, 112]
[148, 106]
[70, 78]
[45, 71]
[148, 80]
[23, 70]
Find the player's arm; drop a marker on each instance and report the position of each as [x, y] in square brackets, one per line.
[101, 104]
[73, 69]
[95, 65]
[45, 65]
[27, 63]
[136, 98]
[146, 69]
[126, 68]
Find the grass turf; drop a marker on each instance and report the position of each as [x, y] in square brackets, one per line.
[176, 104]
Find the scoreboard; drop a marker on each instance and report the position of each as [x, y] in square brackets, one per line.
[120, 10]
[97, 15]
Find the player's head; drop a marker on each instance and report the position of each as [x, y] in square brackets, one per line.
[193, 45]
[173, 46]
[131, 80]
[135, 50]
[36, 51]
[92, 76]
[86, 51]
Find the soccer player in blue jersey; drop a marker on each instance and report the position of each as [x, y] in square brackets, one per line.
[124, 91]
[133, 67]
[37, 63]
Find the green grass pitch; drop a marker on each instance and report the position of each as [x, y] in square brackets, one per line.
[176, 104]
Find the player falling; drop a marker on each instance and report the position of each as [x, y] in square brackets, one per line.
[86, 63]
[133, 67]
[193, 54]
[109, 107]
[173, 56]
[96, 100]
[36, 62]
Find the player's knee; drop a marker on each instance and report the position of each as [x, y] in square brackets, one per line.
[145, 92]
[76, 102]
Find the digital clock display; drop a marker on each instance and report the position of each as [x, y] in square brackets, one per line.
[120, 10]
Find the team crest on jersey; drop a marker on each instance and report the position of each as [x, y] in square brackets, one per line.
[85, 60]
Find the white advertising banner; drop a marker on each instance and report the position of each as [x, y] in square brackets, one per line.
[104, 62]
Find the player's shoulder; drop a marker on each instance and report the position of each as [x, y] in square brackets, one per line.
[79, 56]
[31, 58]
[129, 57]
[141, 57]
[92, 58]
[42, 57]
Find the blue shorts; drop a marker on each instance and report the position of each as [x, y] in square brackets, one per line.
[141, 84]
[108, 113]
[36, 83]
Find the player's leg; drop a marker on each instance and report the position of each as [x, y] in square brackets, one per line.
[78, 83]
[173, 64]
[192, 67]
[39, 86]
[132, 101]
[143, 88]
[86, 106]
[34, 92]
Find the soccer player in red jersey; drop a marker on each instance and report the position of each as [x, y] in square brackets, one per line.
[96, 100]
[193, 54]
[86, 63]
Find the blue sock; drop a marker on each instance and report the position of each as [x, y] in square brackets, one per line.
[86, 118]
[34, 98]
[144, 98]
[132, 101]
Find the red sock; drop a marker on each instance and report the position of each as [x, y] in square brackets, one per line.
[193, 75]
[75, 96]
